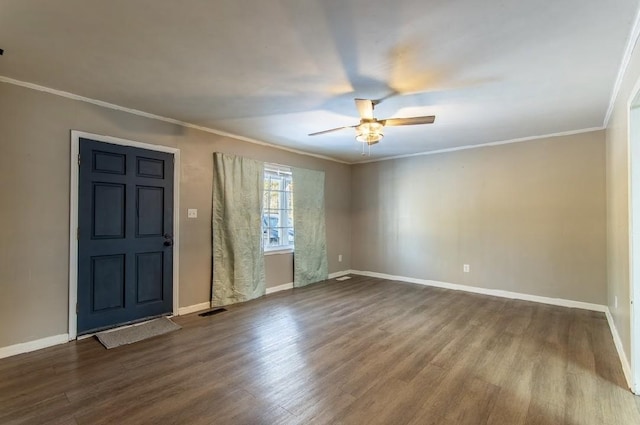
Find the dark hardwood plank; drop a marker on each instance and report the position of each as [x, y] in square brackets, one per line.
[360, 351]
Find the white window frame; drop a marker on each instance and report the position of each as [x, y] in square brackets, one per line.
[277, 169]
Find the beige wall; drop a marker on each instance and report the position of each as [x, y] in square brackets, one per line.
[527, 217]
[34, 183]
[618, 232]
[278, 269]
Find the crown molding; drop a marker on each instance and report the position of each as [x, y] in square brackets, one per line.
[144, 114]
[624, 64]
[484, 145]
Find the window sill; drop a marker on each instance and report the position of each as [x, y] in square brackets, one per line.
[279, 251]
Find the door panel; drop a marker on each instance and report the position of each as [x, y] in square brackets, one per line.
[108, 162]
[125, 218]
[150, 219]
[107, 282]
[149, 271]
[108, 210]
[149, 167]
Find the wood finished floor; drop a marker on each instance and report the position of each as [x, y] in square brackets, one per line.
[361, 351]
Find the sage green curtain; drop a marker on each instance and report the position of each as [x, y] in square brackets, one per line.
[310, 240]
[238, 258]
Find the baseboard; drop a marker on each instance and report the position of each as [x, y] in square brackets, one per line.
[626, 366]
[279, 288]
[193, 308]
[50, 341]
[286, 286]
[339, 274]
[485, 291]
[26, 347]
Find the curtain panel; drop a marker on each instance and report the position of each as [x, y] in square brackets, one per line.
[238, 258]
[310, 241]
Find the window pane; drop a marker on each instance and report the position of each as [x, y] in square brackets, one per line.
[290, 218]
[277, 219]
[274, 200]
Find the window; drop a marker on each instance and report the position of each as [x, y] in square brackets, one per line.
[277, 208]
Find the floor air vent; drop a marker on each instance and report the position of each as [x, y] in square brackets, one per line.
[212, 312]
[343, 278]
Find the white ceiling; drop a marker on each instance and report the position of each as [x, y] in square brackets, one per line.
[276, 70]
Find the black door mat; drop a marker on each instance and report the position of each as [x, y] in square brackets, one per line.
[212, 312]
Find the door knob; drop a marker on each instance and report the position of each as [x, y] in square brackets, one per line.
[168, 240]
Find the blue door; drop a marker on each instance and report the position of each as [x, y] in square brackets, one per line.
[125, 235]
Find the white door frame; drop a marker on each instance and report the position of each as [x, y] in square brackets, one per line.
[633, 138]
[73, 221]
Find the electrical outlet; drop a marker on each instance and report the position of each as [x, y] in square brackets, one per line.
[465, 268]
[339, 258]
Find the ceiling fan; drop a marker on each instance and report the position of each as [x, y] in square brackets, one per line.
[369, 130]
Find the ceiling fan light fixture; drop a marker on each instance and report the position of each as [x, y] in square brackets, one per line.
[369, 132]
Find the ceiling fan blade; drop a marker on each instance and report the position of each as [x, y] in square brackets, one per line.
[410, 121]
[365, 108]
[329, 131]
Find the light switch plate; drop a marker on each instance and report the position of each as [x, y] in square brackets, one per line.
[192, 213]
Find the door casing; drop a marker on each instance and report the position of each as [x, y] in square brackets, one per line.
[73, 219]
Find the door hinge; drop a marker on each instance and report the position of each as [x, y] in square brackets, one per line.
[78, 233]
[77, 309]
[78, 159]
